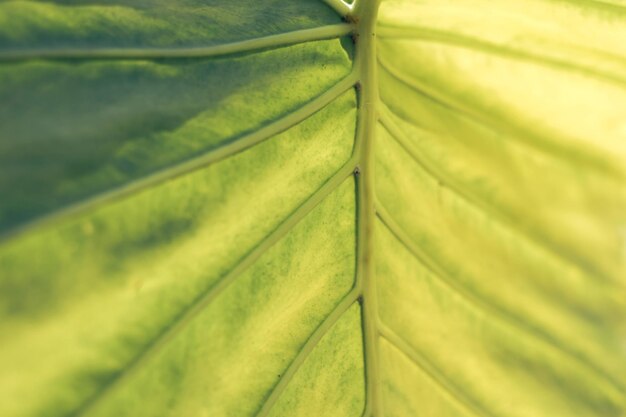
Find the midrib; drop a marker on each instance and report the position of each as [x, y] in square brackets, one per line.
[364, 16]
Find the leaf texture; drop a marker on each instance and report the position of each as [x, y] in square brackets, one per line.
[500, 222]
[305, 208]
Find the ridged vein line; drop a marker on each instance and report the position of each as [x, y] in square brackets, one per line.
[432, 372]
[286, 377]
[342, 8]
[266, 42]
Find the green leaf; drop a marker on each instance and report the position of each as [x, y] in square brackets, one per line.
[307, 208]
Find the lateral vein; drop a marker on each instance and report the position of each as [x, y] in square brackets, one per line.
[286, 377]
[431, 371]
[341, 7]
[248, 45]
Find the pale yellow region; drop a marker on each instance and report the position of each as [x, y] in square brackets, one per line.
[117, 290]
[501, 167]
[579, 212]
[587, 121]
[409, 391]
[572, 32]
[535, 98]
[502, 272]
[477, 356]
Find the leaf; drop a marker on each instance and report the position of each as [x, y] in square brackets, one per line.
[265, 209]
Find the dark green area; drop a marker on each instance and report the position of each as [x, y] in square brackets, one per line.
[69, 130]
[152, 23]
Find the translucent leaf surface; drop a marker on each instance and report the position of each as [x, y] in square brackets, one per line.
[307, 208]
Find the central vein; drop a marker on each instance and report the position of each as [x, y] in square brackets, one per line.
[365, 63]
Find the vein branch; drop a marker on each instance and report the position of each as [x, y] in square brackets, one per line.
[341, 7]
[432, 372]
[248, 45]
[286, 377]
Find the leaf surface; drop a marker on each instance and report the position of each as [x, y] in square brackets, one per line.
[263, 209]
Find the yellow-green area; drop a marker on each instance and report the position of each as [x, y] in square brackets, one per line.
[237, 209]
[331, 381]
[82, 299]
[230, 356]
[479, 356]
